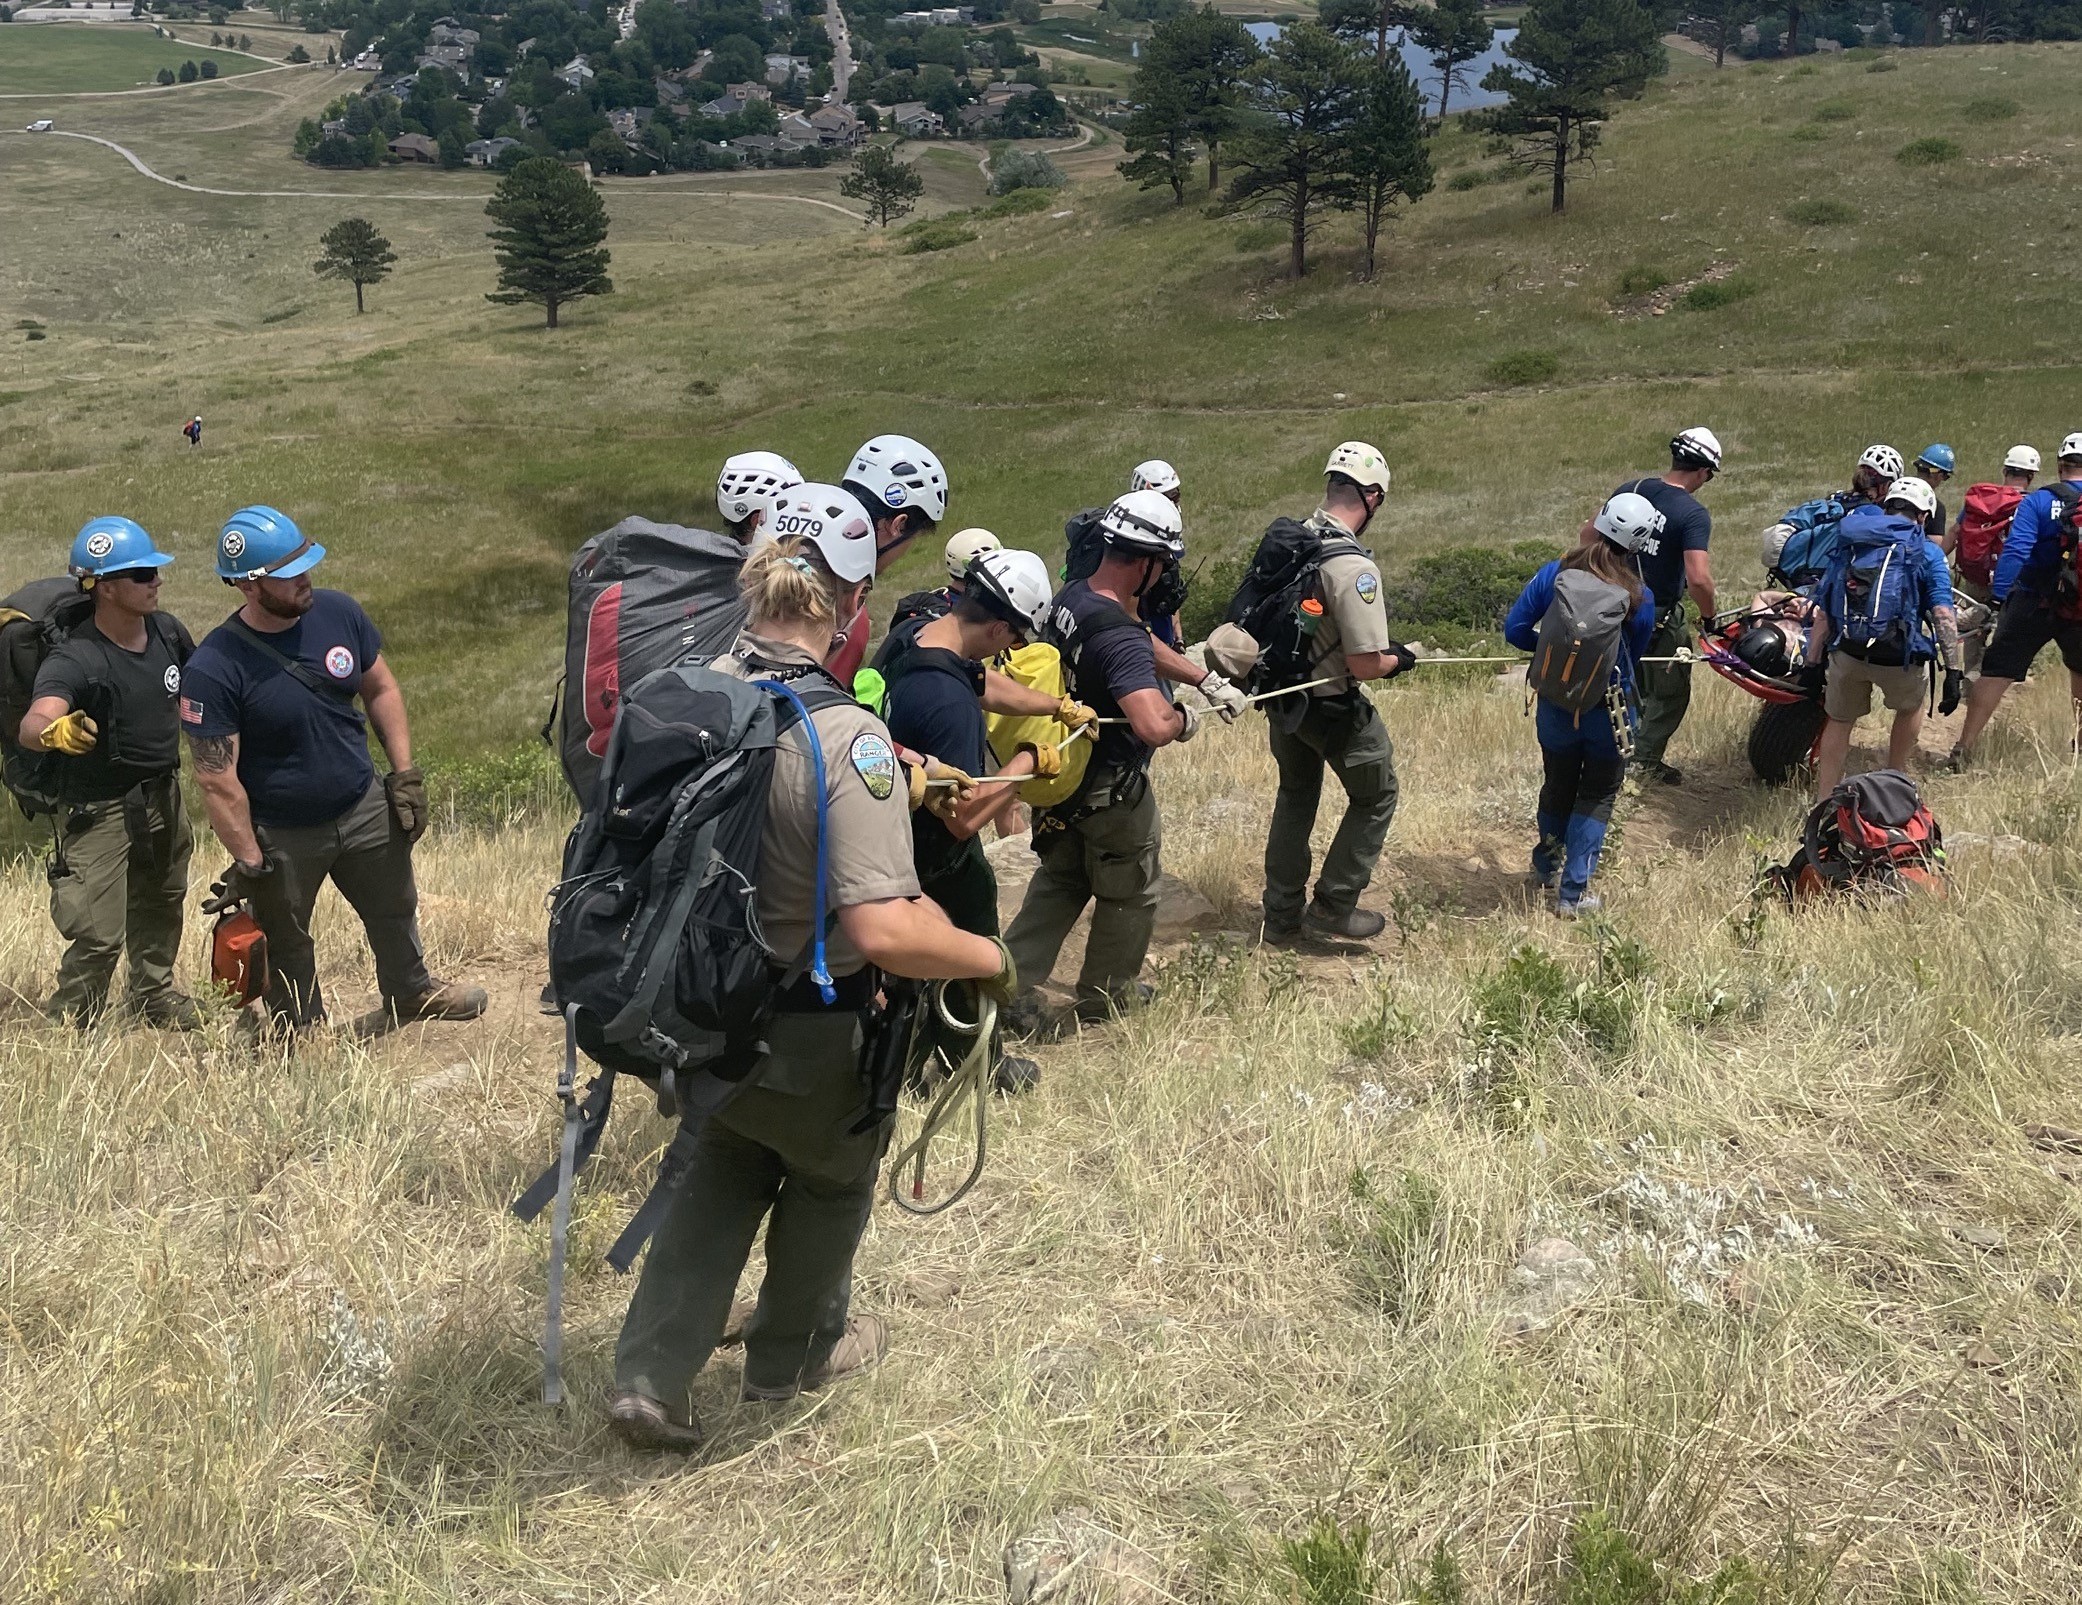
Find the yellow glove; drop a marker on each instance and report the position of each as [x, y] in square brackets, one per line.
[72, 733]
[1003, 987]
[914, 778]
[1075, 714]
[1048, 760]
[944, 800]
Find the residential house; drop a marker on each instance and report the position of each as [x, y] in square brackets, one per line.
[333, 125]
[520, 51]
[916, 120]
[836, 125]
[782, 70]
[774, 10]
[971, 118]
[668, 92]
[628, 123]
[449, 32]
[999, 95]
[576, 72]
[722, 106]
[758, 147]
[800, 130]
[452, 58]
[748, 91]
[414, 148]
[486, 152]
[940, 17]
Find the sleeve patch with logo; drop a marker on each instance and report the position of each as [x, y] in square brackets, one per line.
[1368, 588]
[874, 760]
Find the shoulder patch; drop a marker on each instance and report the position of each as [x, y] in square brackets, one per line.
[1367, 586]
[874, 760]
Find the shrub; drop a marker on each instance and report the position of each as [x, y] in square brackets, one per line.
[1989, 109]
[1476, 177]
[1884, 64]
[164, 76]
[1019, 201]
[1723, 292]
[1523, 368]
[1393, 1247]
[1330, 1565]
[1023, 169]
[937, 235]
[209, 69]
[1471, 587]
[1820, 214]
[297, 56]
[1258, 237]
[1929, 151]
[189, 72]
[1643, 278]
[1833, 111]
[1809, 133]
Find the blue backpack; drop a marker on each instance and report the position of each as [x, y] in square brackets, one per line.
[1875, 590]
[1811, 548]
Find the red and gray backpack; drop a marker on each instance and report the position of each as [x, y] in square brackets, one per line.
[1984, 523]
[1873, 833]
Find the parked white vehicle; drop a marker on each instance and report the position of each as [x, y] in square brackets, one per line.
[42, 125]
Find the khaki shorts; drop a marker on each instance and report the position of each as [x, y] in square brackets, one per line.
[1848, 696]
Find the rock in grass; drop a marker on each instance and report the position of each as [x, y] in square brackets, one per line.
[1550, 1278]
[1075, 1560]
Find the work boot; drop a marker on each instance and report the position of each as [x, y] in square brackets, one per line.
[1028, 1015]
[447, 1001]
[1957, 761]
[1281, 927]
[1121, 1000]
[1354, 924]
[647, 1426]
[175, 1011]
[1015, 1075]
[865, 1341]
[1664, 774]
[1581, 907]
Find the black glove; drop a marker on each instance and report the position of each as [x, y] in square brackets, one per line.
[1814, 679]
[1404, 657]
[407, 791]
[238, 883]
[1955, 688]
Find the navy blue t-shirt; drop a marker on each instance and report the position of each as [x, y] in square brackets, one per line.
[303, 754]
[934, 707]
[1686, 528]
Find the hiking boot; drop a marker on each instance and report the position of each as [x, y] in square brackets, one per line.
[1015, 1075]
[1354, 924]
[1580, 908]
[865, 1341]
[547, 1002]
[1542, 880]
[175, 1011]
[647, 1426]
[447, 1001]
[1664, 774]
[1028, 1015]
[1122, 1000]
[1957, 761]
[1280, 927]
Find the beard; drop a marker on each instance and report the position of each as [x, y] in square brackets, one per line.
[293, 606]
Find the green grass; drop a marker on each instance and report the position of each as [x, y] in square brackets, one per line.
[1820, 213]
[62, 58]
[1930, 151]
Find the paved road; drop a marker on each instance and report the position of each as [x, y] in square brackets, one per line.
[842, 49]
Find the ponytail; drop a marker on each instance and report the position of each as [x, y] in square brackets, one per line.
[1608, 563]
[786, 582]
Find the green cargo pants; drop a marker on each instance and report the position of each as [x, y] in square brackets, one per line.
[370, 861]
[116, 893]
[1665, 690]
[1109, 859]
[1346, 735]
[780, 1149]
[968, 890]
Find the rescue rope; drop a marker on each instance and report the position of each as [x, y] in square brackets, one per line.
[971, 1079]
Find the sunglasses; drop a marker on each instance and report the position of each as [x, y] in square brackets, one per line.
[137, 576]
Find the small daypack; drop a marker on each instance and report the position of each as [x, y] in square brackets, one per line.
[1279, 605]
[1084, 545]
[656, 958]
[1876, 598]
[1811, 546]
[642, 596]
[1984, 523]
[33, 623]
[913, 612]
[2067, 518]
[1872, 833]
[1581, 634]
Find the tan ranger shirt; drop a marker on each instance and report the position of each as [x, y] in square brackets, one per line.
[1354, 617]
[867, 822]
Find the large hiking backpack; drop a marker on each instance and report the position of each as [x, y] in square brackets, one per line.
[1278, 605]
[656, 958]
[1084, 545]
[1810, 543]
[1876, 598]
[642, 596]
[2067, 518]
[1871, 834]
[1984, 523]
[33, 622]
[1581, 635]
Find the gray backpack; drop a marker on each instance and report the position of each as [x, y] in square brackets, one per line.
[643, 597]
[1580, 635]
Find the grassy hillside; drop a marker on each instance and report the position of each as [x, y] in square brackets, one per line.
[52, 58]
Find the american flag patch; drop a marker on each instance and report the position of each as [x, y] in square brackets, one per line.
[191, 711]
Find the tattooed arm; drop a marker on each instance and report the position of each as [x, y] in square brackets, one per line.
[217, 773]
[1947, 623]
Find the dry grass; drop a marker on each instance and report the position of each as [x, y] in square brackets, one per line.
[268, 1335]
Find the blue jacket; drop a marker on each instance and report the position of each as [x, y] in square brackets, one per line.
[2031, 551]
[1556, 726]
[1935, 578]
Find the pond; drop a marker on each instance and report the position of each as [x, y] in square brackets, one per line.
[1465, 93]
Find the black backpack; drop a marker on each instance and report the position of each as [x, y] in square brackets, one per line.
[914, 611]
[1084, 545]
[1268, 604]
[33, 623]
[656, 959]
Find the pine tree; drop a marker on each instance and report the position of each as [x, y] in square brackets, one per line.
[889, 187]
[1367, 22]
[1159, 135]
[1294, 161]
[1389, 160]
[1453, 32]
[551, 238]
[356, 252]
[1571, 57]
[1210, 55]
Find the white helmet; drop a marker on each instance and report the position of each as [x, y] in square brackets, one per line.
[2071, 448]
[966, 545]
[1916, 492]
[1156, 474]
[1014, 584]
[750, 481]
[834, 522]
[1629, 521]
[1361, 464]
[2024, 459]
[900, 474]
[1696, 448]
[1882, 460]
[1146, 523]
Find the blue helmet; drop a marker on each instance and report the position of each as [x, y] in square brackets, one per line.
[258, 543]
[110, 545]
[1939, 457]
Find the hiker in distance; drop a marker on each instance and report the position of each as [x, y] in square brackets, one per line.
[282, 757]
[1674, 566]
[1883, 615]
[104, 706]
[1587, 618]
[787, 1149]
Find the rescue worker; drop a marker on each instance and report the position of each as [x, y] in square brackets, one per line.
[2035, 591]
[106, 702]
[1335, 726]
[1900, 670]
[1160, 476]
[1101, 845]
[746, 488]
[1085, 544]
[1674, 563]
[914, 611]
[282, 758]
[904, 489]
[784, 1150]
[193, 430]
[935, 706]
[1934, 465]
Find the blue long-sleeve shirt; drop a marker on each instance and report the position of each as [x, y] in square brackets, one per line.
[1557, 727]
[1935, 572]
[2031, 550]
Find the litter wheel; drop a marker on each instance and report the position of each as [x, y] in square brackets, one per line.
[1783, 738]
